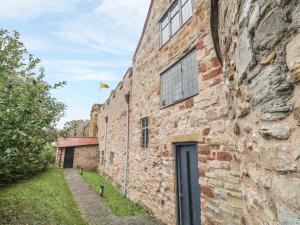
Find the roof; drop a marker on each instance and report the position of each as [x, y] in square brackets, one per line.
[77, 141]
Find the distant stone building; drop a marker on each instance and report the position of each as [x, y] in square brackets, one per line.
[205, 125]
[74, 152]
[80, 128]
[93, 132]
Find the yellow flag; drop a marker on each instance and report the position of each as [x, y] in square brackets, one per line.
[104, 86]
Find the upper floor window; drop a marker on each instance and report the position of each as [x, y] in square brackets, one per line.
[144, 132]
[174, 18]
[180, 81]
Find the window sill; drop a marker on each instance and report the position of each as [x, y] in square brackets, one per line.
[181, 100]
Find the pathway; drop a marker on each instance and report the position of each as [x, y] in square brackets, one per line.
[92, 207]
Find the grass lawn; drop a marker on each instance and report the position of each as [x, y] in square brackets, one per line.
[120, 206]
[44, 199]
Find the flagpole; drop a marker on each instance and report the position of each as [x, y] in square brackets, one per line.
[99, 93]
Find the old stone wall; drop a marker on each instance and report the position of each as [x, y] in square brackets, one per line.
[80, 128]
[93, 125]
[246, 122]
[260, 46]
[202, 118]
[112, 133]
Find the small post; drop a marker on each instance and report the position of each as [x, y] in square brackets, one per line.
[81, 173]
[101, 190]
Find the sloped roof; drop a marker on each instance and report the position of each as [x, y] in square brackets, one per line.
[76, 141]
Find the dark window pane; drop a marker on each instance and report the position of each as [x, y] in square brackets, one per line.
[180, 81]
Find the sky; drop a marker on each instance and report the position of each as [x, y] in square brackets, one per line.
[83, 42]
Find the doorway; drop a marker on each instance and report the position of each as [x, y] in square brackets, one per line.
[187, 184]
[69, 158]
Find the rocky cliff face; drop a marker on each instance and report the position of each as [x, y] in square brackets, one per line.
[260, 47]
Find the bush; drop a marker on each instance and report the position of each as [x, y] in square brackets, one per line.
[28, 113]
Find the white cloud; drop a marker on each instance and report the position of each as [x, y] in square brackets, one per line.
[74, 113]
[26, 9]
[81, 70]
[112, 26]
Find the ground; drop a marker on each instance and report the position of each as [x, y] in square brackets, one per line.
[112, 197]
[46, 199]
[96, 211]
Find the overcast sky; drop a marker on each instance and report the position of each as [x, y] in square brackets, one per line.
[83, 42]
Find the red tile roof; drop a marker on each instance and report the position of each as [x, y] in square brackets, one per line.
[77, 141]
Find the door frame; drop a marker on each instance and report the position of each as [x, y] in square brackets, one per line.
[175, 149]
[65, 151]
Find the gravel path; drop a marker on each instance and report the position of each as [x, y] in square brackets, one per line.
[93, 209]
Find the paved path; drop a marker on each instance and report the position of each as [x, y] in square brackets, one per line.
[93, 209]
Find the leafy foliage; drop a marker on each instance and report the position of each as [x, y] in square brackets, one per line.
[27, 111]
[67, 129]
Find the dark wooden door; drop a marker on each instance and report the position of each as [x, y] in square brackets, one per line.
[69, 158]
[187, 182]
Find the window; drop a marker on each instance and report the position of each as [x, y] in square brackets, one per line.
[144, 132]
[179, 12]
[180, 81]
[111, 157]
[102, 159]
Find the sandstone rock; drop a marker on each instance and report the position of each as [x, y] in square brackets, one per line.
[293, 57]
[268, 58]
[247, 129]
[243, 110]
[270, 30]
[217, 127]
[237, 129]
[270, 212]
[283, 2]
[272, 90]
[278, 158]
[287, 188]
[244, 54]
[245, 10]
[296, 16]
[275, 131]
[254, 16]
[287, 218]
[297, 115]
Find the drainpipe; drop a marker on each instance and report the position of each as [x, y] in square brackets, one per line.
[106, 122]
[127, 97]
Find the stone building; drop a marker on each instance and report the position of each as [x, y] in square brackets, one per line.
[205, 124]
[75, 152]
[80, 128]
[93, 126]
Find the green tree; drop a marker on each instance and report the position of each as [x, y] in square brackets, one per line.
[27, 111]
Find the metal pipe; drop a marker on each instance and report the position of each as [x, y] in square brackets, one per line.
[127, 96]
[105, 142]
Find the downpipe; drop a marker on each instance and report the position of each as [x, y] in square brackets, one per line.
[127, 97]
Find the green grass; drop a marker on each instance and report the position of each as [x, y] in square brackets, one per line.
[44, 199]
[121, 206]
